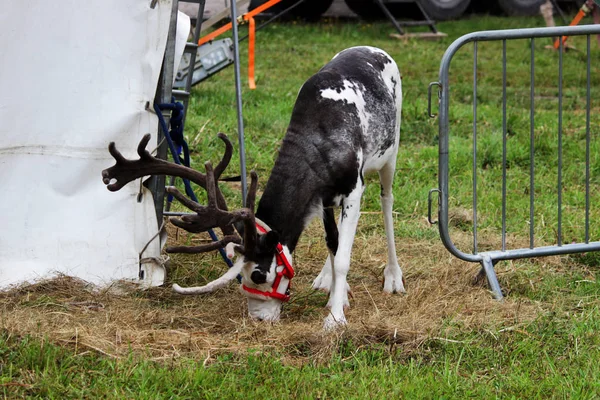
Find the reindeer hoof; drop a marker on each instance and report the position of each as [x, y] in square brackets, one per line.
[331, 323]
[394, 285]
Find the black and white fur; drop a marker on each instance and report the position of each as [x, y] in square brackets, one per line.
[345, 125]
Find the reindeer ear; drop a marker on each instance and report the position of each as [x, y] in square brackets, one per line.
[239, 226]
[271, 239]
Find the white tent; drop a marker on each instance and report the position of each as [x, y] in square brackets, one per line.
[74, 76]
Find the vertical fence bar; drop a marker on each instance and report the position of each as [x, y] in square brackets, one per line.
[475, 147]
[443, 150]
[587, 146]
[560, 160]
[504, 130]
[532, 147]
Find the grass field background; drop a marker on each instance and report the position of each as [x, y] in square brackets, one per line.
[445, 339]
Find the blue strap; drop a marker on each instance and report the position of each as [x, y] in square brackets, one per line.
[188, 187]
[176, 131]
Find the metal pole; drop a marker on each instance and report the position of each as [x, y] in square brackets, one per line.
[389, 15]
[238, 98]
[475, 147]
[193, 53]
[504, 133]
[163, 95]
[488, 267]
[560, 141]
[532, 148]
[587, 145]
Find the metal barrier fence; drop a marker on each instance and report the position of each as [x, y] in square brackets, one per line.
[489, 258]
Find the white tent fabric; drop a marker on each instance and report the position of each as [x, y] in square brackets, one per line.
[184, 25]
[75, 77]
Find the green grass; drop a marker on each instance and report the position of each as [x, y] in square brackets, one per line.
[554, 356]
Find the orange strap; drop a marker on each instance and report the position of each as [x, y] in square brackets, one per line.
[249, 17]
[212, 35]
[246, 17]
[251, 38]
[583, 11]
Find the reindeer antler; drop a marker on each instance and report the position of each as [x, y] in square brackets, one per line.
[211, 215]
[245, 214]
[125, 171]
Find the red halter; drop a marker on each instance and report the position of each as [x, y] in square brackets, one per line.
[287, 271]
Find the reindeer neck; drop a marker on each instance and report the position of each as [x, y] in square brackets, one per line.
[291, 193]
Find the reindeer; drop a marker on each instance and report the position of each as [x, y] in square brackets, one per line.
[345, 124]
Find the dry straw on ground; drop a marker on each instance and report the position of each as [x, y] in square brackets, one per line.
[161, 325]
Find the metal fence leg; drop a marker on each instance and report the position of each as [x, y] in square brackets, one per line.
[490, 273]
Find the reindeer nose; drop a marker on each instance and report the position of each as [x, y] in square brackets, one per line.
[258, 277]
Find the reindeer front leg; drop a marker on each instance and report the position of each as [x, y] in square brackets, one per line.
[324, 279]
[338, 297]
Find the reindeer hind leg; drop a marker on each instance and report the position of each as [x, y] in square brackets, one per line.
[392, 273]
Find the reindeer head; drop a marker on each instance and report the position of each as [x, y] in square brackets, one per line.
[258, 269]
[262, 261]
[266, 275]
